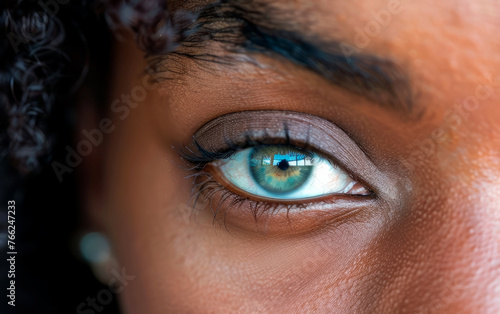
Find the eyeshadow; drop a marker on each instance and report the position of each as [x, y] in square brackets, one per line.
[252, 128]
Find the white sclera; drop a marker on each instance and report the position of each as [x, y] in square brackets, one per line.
[325, 178]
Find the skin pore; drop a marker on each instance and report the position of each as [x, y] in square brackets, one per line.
[429, 239]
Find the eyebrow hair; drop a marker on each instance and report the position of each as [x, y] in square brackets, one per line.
[251, 26]
[377, 79]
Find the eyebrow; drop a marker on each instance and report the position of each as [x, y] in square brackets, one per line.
[249, 26]
[377, 79]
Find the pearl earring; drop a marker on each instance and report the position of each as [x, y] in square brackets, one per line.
[96, 250]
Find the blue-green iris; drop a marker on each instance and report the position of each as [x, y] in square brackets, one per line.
[280, 169]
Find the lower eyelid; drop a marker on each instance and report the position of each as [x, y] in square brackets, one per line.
[244, 214]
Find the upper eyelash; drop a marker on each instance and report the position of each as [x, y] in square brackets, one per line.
[203, 156]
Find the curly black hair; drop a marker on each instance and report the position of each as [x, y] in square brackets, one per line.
[49, 49]
[39, 49]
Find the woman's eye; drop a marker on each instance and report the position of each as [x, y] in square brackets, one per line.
[285, 173]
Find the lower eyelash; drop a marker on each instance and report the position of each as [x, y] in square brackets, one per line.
[205, 191]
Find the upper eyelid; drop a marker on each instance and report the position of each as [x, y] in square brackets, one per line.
[314, 133]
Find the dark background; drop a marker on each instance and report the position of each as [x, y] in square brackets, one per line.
[50, 276]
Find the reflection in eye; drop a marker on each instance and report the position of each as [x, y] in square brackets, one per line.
[286, 173]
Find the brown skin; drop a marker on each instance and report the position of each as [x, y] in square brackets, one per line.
[433, 248]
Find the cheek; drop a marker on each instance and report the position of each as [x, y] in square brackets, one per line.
[141, 188]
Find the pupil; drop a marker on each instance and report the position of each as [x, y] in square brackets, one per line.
[283, 165]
